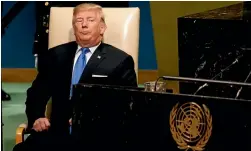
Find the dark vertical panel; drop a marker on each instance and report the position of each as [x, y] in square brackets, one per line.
[247, 11]
[215, 45]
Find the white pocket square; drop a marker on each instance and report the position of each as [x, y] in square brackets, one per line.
[100, 76]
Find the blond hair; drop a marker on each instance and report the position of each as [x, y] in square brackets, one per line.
[89, 6]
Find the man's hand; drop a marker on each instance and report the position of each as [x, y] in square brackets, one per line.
[41, 124]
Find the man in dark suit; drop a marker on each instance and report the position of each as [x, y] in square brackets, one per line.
[87, 60]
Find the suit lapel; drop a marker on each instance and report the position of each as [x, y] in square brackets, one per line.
[97, 57]
[70, 55]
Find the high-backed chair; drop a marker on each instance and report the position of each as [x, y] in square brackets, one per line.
[122, 32]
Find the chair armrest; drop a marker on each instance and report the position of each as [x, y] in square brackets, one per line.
[20, 133]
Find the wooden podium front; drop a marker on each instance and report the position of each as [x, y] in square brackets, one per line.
[116, 118]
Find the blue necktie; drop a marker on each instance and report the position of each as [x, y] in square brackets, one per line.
[78, 68]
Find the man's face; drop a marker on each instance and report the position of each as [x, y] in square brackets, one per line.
[88, 26]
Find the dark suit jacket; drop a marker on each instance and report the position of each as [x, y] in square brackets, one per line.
[54, 80]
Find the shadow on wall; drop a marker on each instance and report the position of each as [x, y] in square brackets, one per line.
[17, 43]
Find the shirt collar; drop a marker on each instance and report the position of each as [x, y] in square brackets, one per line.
[92, 49]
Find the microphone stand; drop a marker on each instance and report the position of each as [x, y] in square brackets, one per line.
[156, 82]
[239, 91]
[205, 85]
[203, 80]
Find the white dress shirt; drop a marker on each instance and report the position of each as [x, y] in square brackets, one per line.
[87, 55]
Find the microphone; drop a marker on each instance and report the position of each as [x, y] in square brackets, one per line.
[201, 87]
[156, 82]
[239, 91]
[205, 84]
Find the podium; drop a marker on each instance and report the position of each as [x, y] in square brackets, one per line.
[128, 119]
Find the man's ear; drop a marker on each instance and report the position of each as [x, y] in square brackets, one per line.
[102, 28]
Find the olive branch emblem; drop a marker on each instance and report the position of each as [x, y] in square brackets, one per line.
[181, 141]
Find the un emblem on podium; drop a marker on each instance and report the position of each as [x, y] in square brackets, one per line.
[191, 126]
